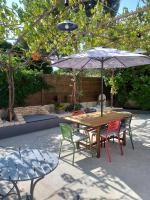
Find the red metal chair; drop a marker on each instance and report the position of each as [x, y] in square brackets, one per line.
[77, 112]
[113, 129]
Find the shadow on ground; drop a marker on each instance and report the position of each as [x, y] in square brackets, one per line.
[126, 178]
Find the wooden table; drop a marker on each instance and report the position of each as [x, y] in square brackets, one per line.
[94, 120]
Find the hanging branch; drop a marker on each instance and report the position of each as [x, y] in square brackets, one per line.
[145, 8]
[10, 71]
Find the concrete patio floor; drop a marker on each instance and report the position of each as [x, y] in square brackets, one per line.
[127, 177]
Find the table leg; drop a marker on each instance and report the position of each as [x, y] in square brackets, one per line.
[17, 189]
[77, 143]
[98, 142]
[32, 186]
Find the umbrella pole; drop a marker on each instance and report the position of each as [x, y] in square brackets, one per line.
[111, 94]
[102, 66]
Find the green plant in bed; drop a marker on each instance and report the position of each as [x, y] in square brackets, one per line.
[59, 107]
[71, 107]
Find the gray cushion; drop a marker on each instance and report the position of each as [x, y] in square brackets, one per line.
[90, 110]
[38, 117]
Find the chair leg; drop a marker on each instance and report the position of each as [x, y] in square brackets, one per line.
[130, 135]
[91, 141]
[104, 143]
[74, 148]
[60, 147]
[77, 145]
[101, 143]
[120, 144]
[113, 139]
[107, 150]
[91, 145]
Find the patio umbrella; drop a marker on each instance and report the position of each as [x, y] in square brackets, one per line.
[100, 57]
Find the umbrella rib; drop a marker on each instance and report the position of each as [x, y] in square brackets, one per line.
[120, 61]
[86, 63]
[103, 59]
[59, 61]
[83, 66]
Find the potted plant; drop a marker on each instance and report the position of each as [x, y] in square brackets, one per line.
[59, 108]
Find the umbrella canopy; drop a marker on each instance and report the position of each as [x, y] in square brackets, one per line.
[112, 58]
[100, 57]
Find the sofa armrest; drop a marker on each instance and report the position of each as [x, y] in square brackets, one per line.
[19, 118]
[1, 122]
[43, 111]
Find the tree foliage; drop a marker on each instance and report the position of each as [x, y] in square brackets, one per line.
[35, 22]
[134, 84]
[26, 82]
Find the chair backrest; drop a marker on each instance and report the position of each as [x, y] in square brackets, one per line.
[125, 122]
[66, 131]
[113, 127]
[103, 128]
[77, 112]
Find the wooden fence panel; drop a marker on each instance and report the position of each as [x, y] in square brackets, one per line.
[61, 90]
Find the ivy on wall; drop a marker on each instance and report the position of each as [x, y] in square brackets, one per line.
[27, 81]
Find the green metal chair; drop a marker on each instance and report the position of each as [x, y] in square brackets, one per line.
[72, 136]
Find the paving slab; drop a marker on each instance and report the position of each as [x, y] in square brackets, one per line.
[126, 178]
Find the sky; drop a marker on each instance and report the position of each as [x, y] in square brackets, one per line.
[130, 4]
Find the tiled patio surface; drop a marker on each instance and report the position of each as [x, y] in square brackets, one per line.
[127, 177]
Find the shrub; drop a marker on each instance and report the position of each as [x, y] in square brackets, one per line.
[59, 106]
[134, 84]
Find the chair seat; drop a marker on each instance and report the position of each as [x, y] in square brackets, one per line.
[122, 129]
[103, 134]
[79, 136]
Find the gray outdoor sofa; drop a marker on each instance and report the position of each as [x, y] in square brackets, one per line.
[35, 124]
[31, 122]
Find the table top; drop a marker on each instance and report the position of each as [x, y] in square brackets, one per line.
[26, 164]
[95, 120]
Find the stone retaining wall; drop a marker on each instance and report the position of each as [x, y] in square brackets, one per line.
[31, 110]
[22, 111]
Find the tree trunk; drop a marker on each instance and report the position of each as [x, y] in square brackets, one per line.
[11, 88]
